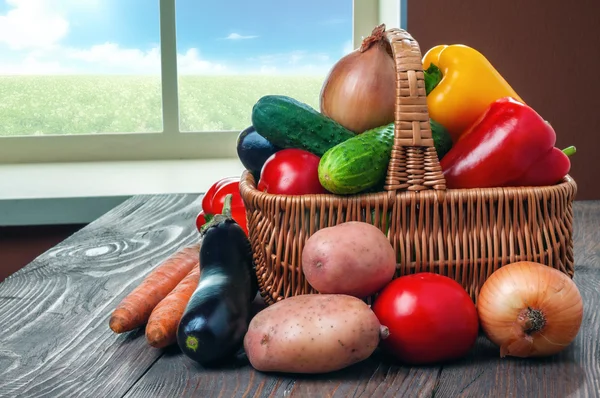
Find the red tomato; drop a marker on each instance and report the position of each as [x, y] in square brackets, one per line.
[291, 172]
[431, 318]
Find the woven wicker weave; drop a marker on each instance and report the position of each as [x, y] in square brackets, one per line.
[465, 234]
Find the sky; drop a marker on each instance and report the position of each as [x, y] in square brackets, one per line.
[213, 37]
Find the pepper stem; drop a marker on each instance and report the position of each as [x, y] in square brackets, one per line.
[569, 150]
[433, 76]
[219, 218]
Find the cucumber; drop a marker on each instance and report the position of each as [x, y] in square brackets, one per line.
[289, 123]
[360, 164]
[441, 139]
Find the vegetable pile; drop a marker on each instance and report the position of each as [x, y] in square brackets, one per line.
[200, 299]
[484, 133]
[485, 136]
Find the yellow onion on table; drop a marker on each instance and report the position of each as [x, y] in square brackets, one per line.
[360, 90]
[530, 310]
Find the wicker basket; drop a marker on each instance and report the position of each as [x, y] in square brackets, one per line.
[465, 234]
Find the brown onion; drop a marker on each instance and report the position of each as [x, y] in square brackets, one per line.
[530, 309]
[360, 91]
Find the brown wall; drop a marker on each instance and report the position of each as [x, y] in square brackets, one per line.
[548, 50]
[20, 245]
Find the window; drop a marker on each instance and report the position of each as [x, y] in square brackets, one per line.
[125, 80]
[79, 67]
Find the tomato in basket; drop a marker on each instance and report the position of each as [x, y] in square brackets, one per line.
[291, 172]
[431, 319]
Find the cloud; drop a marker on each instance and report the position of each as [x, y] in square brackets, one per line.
[32, 66]
[237, 36]
[32, 34]
[32, 24]
[298, 62]
[107, 58]
[110, 57]
[191, 63]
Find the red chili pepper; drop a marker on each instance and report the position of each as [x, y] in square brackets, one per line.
[214, 198]
[200, 220]
[209, 196]
[499, 147]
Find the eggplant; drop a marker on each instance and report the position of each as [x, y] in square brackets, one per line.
[254, 150]
[216, 318]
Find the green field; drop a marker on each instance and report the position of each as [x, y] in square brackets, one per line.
[39, 105]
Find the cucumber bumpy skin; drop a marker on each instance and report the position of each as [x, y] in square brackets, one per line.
[289, 123]
[358, 163]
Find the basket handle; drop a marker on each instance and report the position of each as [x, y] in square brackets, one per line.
[414, 163]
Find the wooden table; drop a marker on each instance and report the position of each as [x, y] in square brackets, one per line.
[55, 340]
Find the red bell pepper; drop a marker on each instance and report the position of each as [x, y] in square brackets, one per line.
[549, 170]
[506, 141]
[214, 199]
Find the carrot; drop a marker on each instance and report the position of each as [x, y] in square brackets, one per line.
[161, 329]
[135, 309]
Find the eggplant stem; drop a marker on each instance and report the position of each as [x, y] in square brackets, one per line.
[227, 206]
[219, 218]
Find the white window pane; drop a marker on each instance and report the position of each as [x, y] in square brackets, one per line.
[232, 52]
[79, 67]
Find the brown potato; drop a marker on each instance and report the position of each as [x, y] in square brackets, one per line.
[353, 258]
[312, 333]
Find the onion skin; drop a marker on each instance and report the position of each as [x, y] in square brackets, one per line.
[530, 310]
[360, 90]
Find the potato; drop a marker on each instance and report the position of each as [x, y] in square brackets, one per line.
[312, 333]
[353, 258]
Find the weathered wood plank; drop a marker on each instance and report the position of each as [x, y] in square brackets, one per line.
[54, 313]
[586, 233]
[176, 375]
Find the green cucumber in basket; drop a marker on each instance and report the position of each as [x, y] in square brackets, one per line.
[360, 163]
[289, 123]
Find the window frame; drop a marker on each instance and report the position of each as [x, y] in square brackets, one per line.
[171, 142]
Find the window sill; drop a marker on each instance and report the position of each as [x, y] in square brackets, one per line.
[73, 193]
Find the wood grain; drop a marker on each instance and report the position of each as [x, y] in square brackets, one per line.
[56, 342]
[54, 312]
[175, 375]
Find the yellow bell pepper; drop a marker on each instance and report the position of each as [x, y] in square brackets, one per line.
[466, 86]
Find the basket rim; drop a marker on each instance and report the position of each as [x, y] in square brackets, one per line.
[249, 191]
